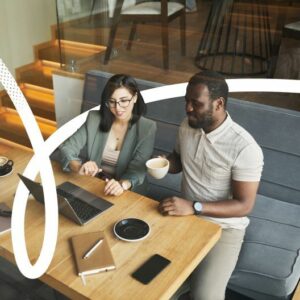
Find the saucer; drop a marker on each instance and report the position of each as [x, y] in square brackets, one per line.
[131, 230]
[8, 172]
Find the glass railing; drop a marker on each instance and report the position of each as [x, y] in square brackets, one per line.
[241, 39]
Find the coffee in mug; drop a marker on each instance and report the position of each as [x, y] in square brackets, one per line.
[157, 167]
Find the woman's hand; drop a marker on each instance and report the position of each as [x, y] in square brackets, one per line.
[90, 168]
[113, 188]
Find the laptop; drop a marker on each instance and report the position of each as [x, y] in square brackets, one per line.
[74, 202]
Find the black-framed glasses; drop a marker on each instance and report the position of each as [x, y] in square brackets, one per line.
[111, 103]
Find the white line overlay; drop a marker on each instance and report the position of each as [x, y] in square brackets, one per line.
[40, 163]
[42, 150]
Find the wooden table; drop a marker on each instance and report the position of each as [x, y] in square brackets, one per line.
[183, 240]
[296, 295]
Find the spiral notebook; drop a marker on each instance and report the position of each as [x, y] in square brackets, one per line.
[92, 254]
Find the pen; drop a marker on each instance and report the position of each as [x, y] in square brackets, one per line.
[90, 251]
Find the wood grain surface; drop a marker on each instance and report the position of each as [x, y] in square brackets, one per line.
[183, 240]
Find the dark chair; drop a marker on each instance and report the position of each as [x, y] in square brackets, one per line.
[236, 39]
[292, 30]
[162, 12]
[287, 64]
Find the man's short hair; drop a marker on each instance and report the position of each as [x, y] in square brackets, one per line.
[215, 83]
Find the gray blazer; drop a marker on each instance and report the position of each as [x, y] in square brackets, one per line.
[136, 150]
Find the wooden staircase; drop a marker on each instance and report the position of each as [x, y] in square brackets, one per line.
[35, 81]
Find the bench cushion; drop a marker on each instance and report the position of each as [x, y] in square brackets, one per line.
[160, 189]
[276, 130]
[269, 261]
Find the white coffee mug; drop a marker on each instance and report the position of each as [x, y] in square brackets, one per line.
[158, 167]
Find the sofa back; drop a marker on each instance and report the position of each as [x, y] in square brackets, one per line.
[275, 129]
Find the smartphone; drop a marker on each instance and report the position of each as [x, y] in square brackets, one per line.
[103, 176]
[153, 266]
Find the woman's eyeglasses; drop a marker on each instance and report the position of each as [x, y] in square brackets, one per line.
[122, 103]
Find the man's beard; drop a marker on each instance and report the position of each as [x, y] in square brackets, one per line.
[205, 121]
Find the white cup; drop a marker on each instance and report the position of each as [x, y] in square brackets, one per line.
[158, 167]
[3, 161]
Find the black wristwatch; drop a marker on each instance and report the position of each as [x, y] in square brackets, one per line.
[197, 208]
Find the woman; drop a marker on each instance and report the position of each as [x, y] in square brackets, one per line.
[118, 139]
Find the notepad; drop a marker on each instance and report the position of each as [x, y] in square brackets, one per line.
[99, 260]
[5, 222]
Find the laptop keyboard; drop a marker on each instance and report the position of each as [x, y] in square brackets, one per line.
[83, 210]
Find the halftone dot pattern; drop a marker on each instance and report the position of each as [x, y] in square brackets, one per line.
[41, 161]
[12, 89]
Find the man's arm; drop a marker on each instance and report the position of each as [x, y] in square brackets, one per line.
[175, 162]
[244, 194]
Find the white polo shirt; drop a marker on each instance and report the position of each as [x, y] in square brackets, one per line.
[211, 161]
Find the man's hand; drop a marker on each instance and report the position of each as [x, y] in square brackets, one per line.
[175, 163]
[175, 206]
[90, 168]
[113, 188]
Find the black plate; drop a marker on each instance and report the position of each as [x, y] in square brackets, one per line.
[131, 230]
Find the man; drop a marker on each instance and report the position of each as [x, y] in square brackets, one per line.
[221, 167]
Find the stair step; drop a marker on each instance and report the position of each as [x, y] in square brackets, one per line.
[38, 73]
[90, 36]
[4, 99]
[11, 126]
[40, 100]
[70, 50]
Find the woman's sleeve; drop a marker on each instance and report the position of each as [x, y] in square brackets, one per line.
[70, 149]
[136, 170]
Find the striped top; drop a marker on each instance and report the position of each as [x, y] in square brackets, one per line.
[110, 155]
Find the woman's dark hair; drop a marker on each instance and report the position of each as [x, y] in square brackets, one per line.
[115, 82]
[215, 83]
